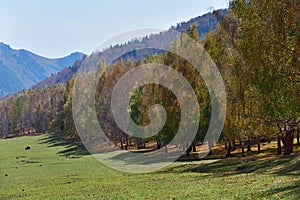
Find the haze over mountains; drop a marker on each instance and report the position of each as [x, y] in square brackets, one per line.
[20, 69]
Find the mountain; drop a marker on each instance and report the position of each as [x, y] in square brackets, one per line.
[61, 77]
[204, 23]
[20, 69]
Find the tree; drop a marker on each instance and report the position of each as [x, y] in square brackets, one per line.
[68, 121]
[270, 47]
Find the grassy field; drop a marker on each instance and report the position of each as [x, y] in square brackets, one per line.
[55, 169]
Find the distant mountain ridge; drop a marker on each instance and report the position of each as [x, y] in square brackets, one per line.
[204, 23]
[20, 69]
[61, 77]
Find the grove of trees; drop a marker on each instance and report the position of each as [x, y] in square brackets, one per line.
[256, 47]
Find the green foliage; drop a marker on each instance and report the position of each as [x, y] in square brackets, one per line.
[68, 121]
[193, 33]
[270, 47]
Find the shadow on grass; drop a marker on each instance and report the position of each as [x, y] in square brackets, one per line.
[72, 146]
[290, 191]
[235, 165]
[140, 158]
[278, 166]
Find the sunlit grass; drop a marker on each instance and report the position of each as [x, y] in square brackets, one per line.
[57, 170]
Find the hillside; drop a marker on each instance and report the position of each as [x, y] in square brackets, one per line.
[204, 24]
[20, 69]
[61, 77]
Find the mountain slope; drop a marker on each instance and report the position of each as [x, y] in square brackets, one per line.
[20, 69]
[61, 77]
[204, 24]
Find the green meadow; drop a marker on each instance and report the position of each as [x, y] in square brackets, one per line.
[55, 168]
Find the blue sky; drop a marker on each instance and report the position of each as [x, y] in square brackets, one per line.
[58, 27]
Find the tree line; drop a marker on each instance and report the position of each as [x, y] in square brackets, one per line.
[256, 47]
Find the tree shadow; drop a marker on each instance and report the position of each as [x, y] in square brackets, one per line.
[144, 157]
[72, 146]
[279, 166]
[290, 191]
[235, 165]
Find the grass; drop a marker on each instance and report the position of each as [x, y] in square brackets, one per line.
[57, 169]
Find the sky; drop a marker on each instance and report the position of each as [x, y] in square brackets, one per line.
[57, 28]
